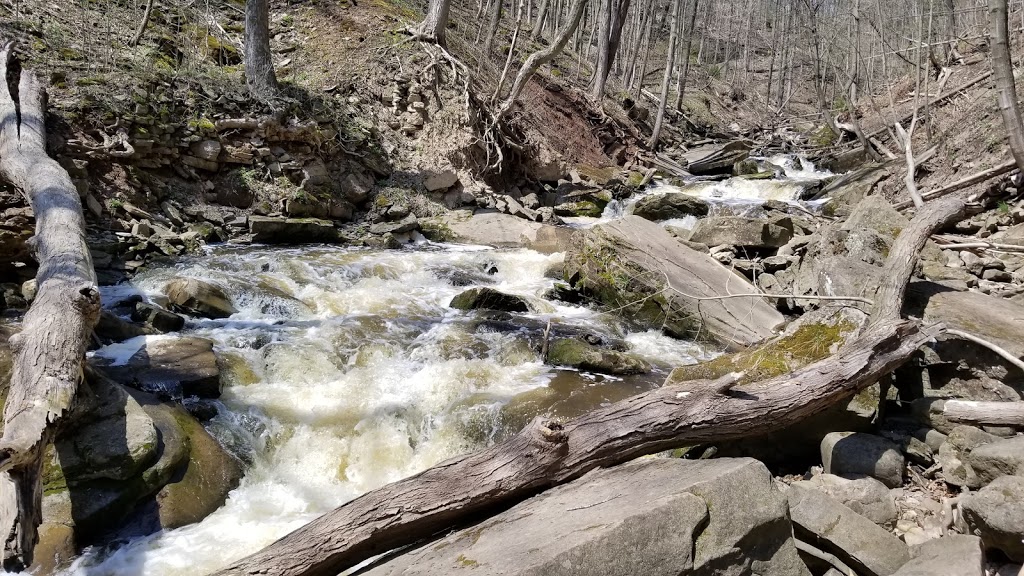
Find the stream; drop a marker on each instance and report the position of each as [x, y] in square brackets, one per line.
[344, 369]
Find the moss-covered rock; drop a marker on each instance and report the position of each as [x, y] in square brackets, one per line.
[489, 299]
[579, 354]
[668, 206]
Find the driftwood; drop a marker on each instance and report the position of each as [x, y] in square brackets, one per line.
[547, 452]
[49, 351]
[984, 413]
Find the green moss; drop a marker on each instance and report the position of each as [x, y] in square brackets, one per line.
[203, 123]
[437, 231]
[808, 343]
[466, 562]
[823, 137]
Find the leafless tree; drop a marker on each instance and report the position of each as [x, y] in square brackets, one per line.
[259, 66]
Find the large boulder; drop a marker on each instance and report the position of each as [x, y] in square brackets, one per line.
[498, 230]
[847, 259]
[953, 555]
[579, 354]
[271, 230]
[170, 367]
[198, 298]
[865, 496]
[848, 190]
[996, 514]
[745, 232]
[855, 454]
[120, 451]
[668, 206]
[824, 522]
[999, 458]
[489, 299]
[955, 455]
[635, 265]
[718, 160]
[690, 517]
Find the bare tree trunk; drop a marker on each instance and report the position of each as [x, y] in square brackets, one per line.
[608, 43]
[432, 28]
[511, 50]
[541, 57]
[49, 351]
[666, 80]
[492, 28]
[681, 86]
[548, 453]
[1002, 69]
[541, 13]
[142, 25]
[259, 67]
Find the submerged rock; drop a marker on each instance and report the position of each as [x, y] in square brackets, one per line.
[199, 298]
[579, 354]
[489, 299]
[157, 318]
[626, 263]
[691, 517]
[668, 206]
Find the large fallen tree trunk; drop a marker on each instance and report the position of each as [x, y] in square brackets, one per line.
[548, 453]
[49, 351]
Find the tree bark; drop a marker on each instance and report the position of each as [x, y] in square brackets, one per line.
[434, 24]
[681, 85]
[49, 351]
[142, 25]
[613, 18]
[541, 57]
[538, 25]
[659, 120]
[494, 18]
[1002, 69]
[259, 67]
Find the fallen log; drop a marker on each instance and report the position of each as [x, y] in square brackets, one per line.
[547, 452]
[984, 413]
[971, 180]
[49, 351]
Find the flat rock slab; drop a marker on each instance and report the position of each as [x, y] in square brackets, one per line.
[503, 230]
[655, 517]
[829, 525]
[953, 555]
[628, 262]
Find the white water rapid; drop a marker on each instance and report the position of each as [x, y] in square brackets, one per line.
[348, 370]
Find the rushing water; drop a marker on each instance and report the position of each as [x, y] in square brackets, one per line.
[348, 370]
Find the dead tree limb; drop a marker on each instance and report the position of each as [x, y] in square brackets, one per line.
[935, 102]
[971, 180]
[49, 351]
[548, 453]
[142, 25]
[980, 413]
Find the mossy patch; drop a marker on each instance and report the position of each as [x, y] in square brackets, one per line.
[808, 343]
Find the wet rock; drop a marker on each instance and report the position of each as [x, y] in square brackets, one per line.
[668, 206]
[848, 190]
[624, 264]
[996, 514]
[702, 517]
[157, 318]
[579, 354]
[112, 328]
[864, 546]
[270, 230]
[854, 454]
[500, 230]
[998, 458]
[955, 455]
[739, 231]
[198, 298]
[440, 180]
[953, 555]
[865, 496]
[171, 367]
[489, 299]
[720, 160]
